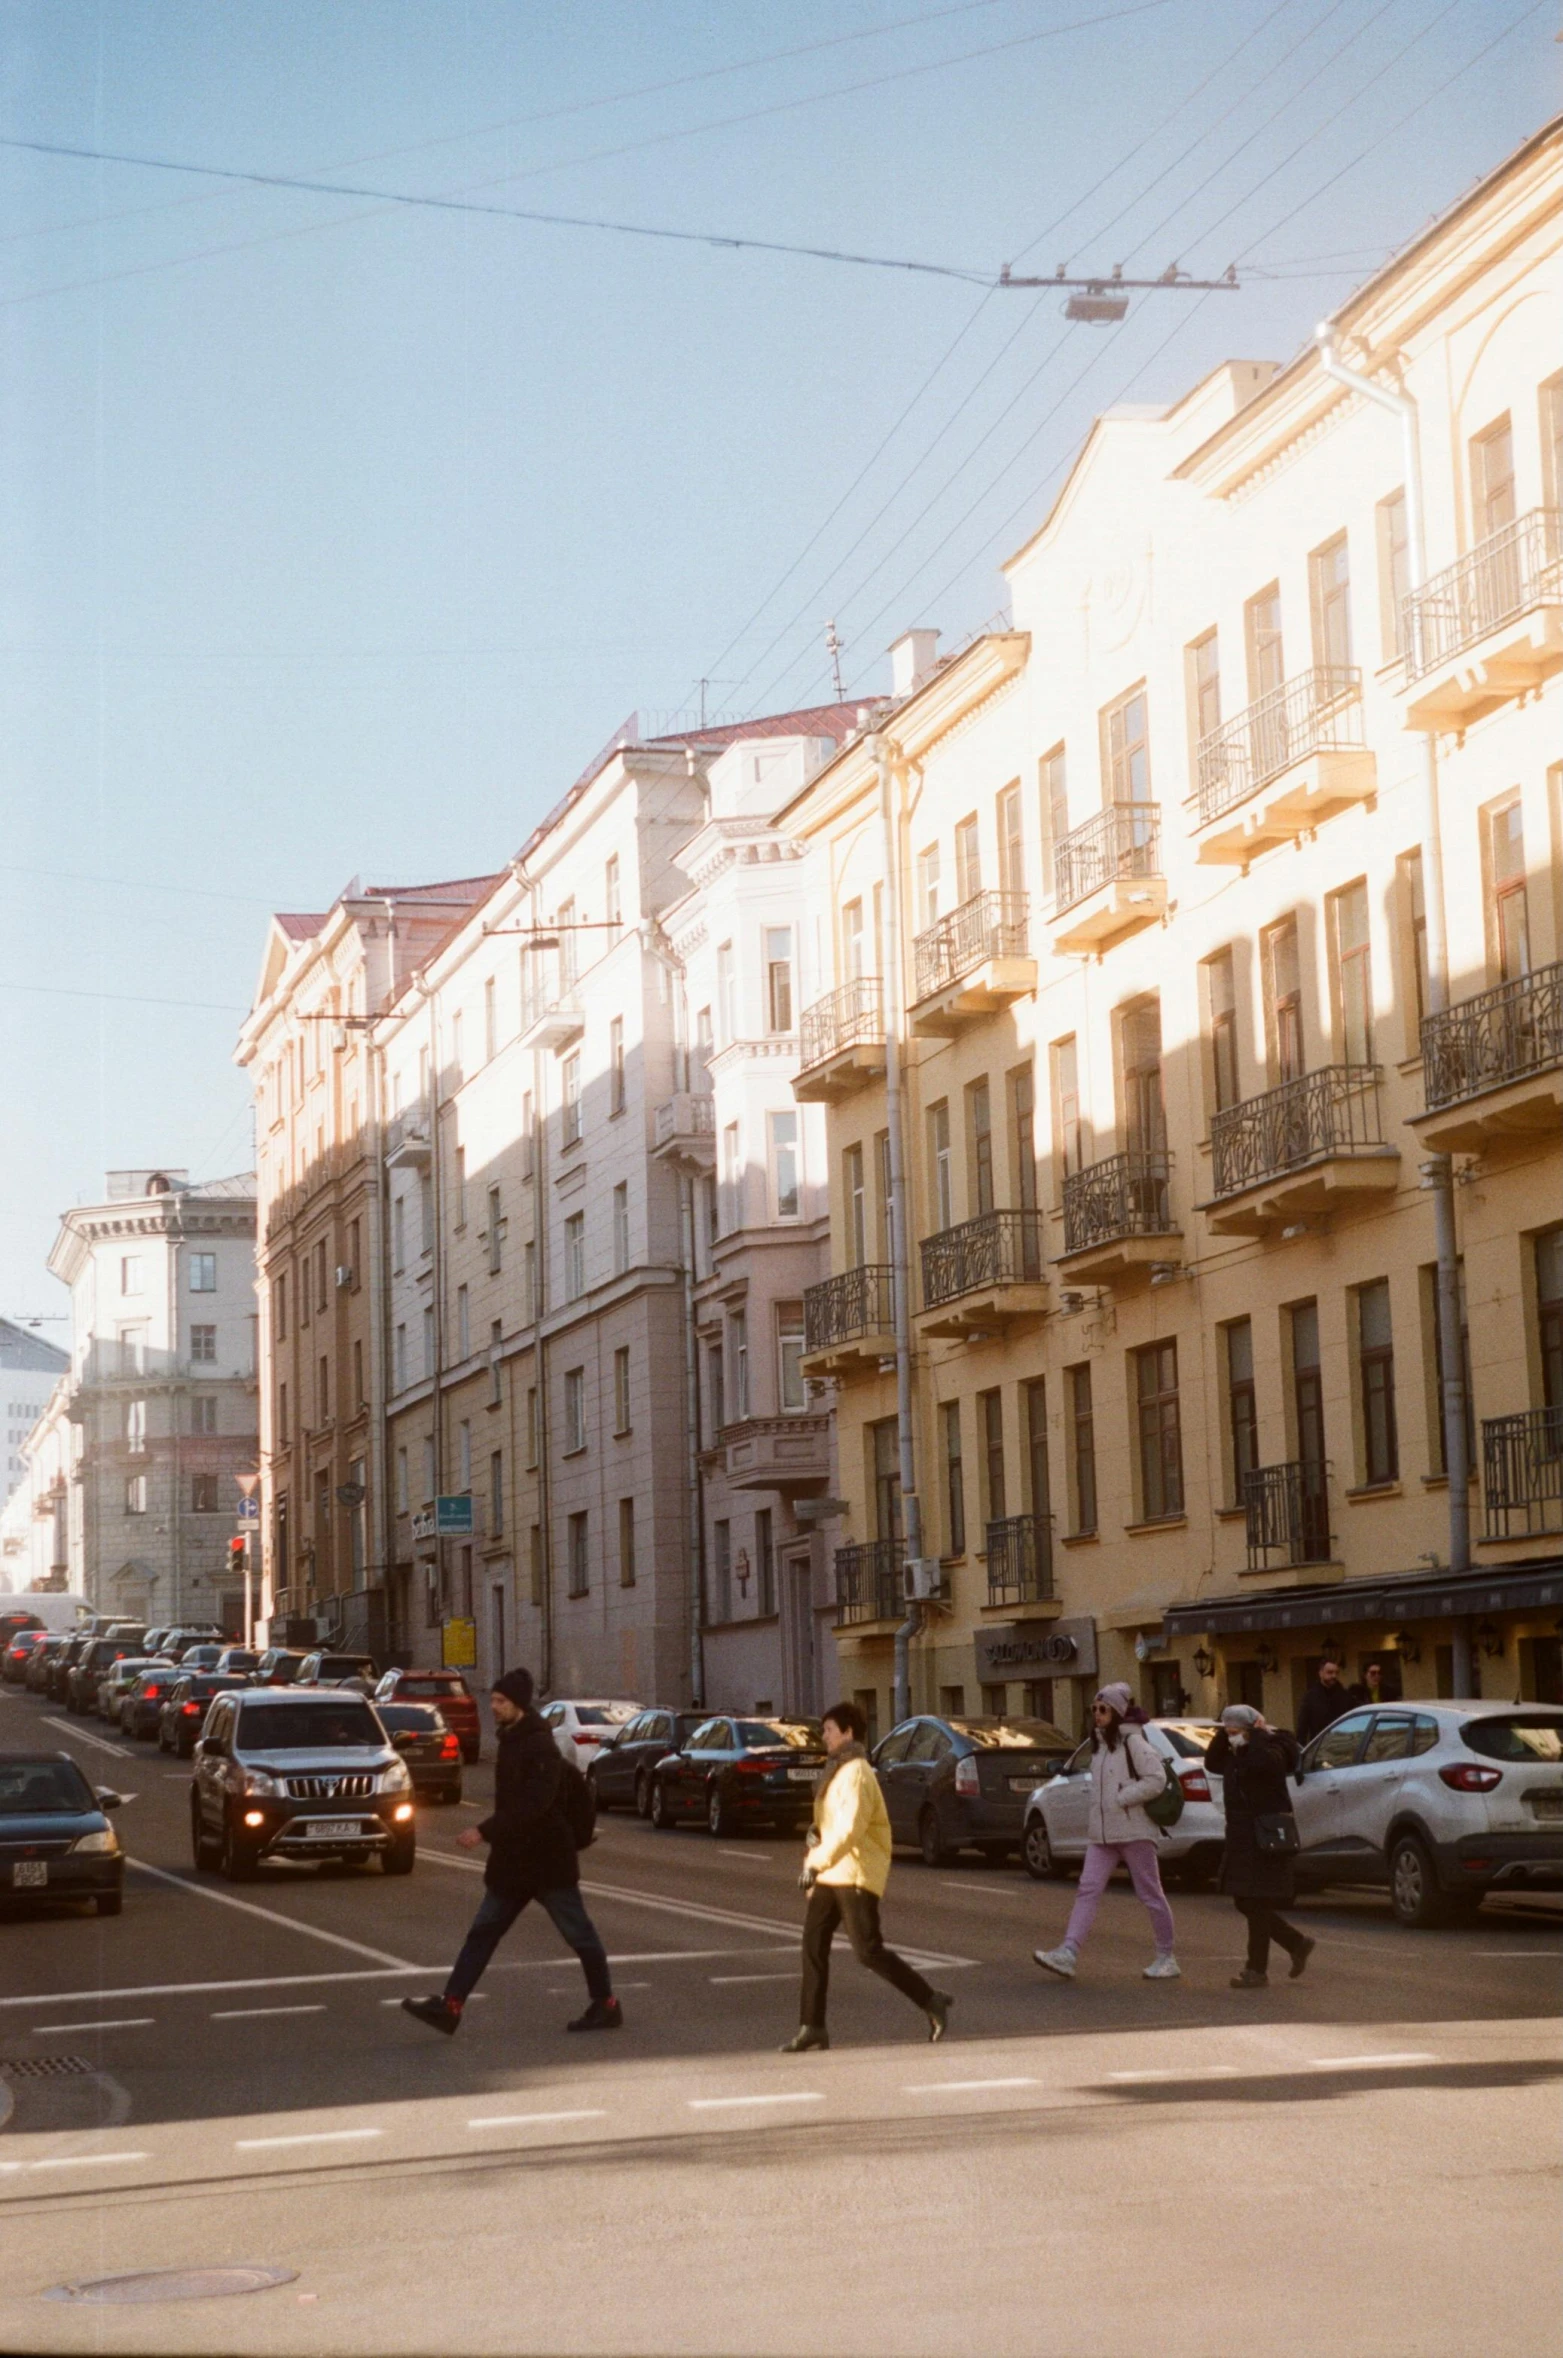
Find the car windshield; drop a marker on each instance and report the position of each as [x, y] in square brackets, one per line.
[409, 1718]
[210, 1683]
[1188, 1738]
[39, 1785]
[1530, 1736]
[345, 1665]
[237, 1659]
[797, 1735]
[1012, 1735]
[308, 1727]
[604, 1715]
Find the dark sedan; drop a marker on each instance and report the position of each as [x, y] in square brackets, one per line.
[620, 1776]
[92, 1666]
[182, 1712]
[61, 1664]
[963, 1784]
[55, 1838]
[139, 1710]
[431, 1749]
[731, 1772]
[279, 1666]
[18, 1652]
[47, 1652]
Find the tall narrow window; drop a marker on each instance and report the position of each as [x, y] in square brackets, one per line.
[721, 1570]
[576, 1555]
[1353, 973]
[1023, 1158]
[570, 1101]
[778, 978]
[1414, 917]
[496, 1230]
[1283, 978]
[928, 886]
[535, 1563]
[1329, 604]
[1492, 479]
[855, 1201]
[940, 1177]
[738, 1357]
[1221, 999]
[1242, 1405]
[626, 1543]
[732, 1177]
[463, 1322]
[1394, 573]
[1551, 404]
[575, 1256]
[1376, 1384]
[1126, 756]
[1067, 1129]
[568, 954]
[1434, 1314]
[136, 1428]
[621, 1228]
[1204, 678]
[1549, 1316]
[1308, 1423]
[616, 1065]
[496, 1493]
[716, 1387]
[705, 1049]
[1510, 905]
[727, 993]
[457, 1065]
[1038, 1485]
[886, 1197]
[968, 861]
[1012, 845]
[574, 1409]
[490, 1020]
[1262, 642]
[528, 1134]
[885, 1464]
[1054, 781]
[1082, 1448]
[203, 1273]
[990, 1412]
[954, 1478]
[459, 1187]
[979, 1118]
[1145, 1120]
[612, 907]
[621, 1389]
[791, 1389]
[765, 1563]
[785, 1194]
[1161, 1440]
[852, 942]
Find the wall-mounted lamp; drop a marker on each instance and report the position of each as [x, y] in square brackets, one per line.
[1297, 1228]
[1204, 1661]
[1071, 1304]
[1407, 1645]
[1490, 1638]
[1267, 1658]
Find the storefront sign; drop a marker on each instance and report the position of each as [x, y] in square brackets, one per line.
[1035, 1649]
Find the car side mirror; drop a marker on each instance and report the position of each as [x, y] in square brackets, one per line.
[108, 1800]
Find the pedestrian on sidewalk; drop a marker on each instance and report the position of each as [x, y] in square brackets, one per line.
[531, 1856]
[1126, 1773]
[1323, 1701]
[844, 1873]
[1255, 1762]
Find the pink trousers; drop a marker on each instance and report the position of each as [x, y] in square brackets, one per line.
[1144, 1873]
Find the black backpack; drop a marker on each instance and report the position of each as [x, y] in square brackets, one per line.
[579, 1804]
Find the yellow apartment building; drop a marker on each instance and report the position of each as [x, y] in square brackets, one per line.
[1198, 993]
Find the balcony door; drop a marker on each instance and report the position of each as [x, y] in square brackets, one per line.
[884, 1442]
[1492, 479]
[1283, 986]
[1510, 903]
[1313, 1533]
[1145, 1115]
[1549, 1316]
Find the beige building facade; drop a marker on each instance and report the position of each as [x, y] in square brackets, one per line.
[1221, 902]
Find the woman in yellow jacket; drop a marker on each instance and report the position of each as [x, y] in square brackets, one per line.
[845, 1873]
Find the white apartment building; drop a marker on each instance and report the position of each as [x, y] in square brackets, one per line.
[30, 1368]
[33, 1518]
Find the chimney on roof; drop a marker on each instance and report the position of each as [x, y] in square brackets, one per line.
[912, 658]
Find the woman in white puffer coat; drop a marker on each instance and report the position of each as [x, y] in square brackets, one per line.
[1126, 1773]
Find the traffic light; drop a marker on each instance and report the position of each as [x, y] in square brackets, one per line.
[238, 1549]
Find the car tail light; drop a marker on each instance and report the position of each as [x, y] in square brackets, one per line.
[966, 1779]
[1466, 1777]
[188, 1710]
[582, 1738]
[754, 1768]
[1195, 1783]
[450, 1749]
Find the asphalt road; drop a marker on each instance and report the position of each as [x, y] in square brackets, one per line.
[1365, 2161]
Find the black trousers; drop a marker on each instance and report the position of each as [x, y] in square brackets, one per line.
[1265, 1926]
[833, 1904]
[497, 1911]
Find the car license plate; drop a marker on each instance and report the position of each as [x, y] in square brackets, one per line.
[1028, 1783]
[804, 1776]
[1547, 1805]
[332, 1829]
[28, 1874]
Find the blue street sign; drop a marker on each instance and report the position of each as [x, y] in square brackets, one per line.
[248, 1510]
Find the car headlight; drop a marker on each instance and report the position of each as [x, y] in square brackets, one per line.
[396, 1778]
[257, 1781]
[104, 1845]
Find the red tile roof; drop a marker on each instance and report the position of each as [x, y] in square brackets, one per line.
[297, 927]
[836, 721]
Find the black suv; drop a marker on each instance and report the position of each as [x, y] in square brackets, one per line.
[305, 1774]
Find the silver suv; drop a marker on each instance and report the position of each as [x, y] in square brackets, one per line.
[290, 1774]
[1443, 1802]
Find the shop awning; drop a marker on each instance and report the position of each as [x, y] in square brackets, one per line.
[1398, 1596]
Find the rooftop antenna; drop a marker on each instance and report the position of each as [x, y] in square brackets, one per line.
[833, 650]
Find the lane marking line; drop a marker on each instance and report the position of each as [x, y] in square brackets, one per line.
[986, 1890]
[255, 2013]
[791, 1932]
[962, 2087]
[1193, 2071]
[724, 1980]
[225, 1899]
[727, 2103]
[745, 1855]
[53, 2030]
[199, 1989]
[100, 1743]
[82, 2161]
[307, 2137]
[474, 1998]
[1556, 1955]
[1363, 2062]
[528, 2120]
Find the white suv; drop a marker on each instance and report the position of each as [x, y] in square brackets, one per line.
[1055, 1821]
[1443, 1802]
[581, 1729]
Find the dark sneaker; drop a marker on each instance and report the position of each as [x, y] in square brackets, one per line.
[1248, 1979]
[601, 2014]
[803, 2038]
[1300, 1958]
[438, 2013]
[938, 2011]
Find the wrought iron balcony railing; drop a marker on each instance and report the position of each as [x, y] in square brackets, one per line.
[1020, 1560]
[1495, 1037]
[851, 1017]
[1288, 1513]
[1334, 1111]
[989, 925]
[1124, 840]
[853, 1304]
[1123, 1195]
[995, 1249]
[1522, 1473]
[868, 1582]
[1513, 569]
[1320, 711]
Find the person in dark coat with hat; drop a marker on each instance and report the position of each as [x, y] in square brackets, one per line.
[531, 1856]
[1255, 1762]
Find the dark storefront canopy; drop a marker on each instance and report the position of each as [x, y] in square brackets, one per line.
[1399, 1596]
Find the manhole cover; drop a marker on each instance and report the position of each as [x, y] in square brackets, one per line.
[47, 2067]
[172, 2284]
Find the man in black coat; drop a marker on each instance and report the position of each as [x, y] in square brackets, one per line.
[1323, 1702]
[531, 1855]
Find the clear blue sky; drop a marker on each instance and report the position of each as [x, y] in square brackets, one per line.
[335, 536]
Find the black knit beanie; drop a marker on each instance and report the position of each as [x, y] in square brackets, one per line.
[517, 1687]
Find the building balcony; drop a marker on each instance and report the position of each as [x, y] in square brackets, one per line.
[1118, 1217]
[868, 1583]
[1020, 1560]
[971, 964]
[557, 1024]
[407, 1139]
[1293, 758]
[842, 1043]
[783, 1453]
[1492, 1066]
[983, 1274]
[1488, 628]
[1107, 879]
[849, 1321]
[1305, 1148]
[684, 1132]
[1522, 1474]
[1287, 1512]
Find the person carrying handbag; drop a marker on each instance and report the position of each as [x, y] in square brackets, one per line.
[1255, 1763]
[1126, 1772]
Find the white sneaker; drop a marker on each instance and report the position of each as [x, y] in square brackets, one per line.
[1059, 1961]
[1164, 1968]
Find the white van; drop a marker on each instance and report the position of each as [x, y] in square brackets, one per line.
[52, 1608]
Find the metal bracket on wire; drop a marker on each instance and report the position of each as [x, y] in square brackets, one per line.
[1104, 299]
